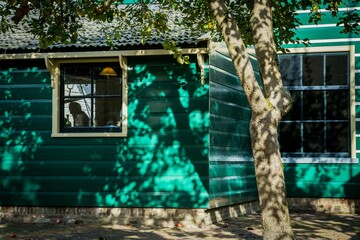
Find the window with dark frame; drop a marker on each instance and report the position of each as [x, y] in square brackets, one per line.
[91, 97]
[319, 123]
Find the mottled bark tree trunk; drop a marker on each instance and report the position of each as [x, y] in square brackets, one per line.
[267, 105]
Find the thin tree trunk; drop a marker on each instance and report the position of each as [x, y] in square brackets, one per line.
[270, 177]
[267, 110]
[263, 129]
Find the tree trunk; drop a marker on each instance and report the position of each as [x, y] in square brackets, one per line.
[263, 129]
[267, 109]
[270, 176]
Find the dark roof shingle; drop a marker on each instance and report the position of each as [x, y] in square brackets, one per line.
[90, 37]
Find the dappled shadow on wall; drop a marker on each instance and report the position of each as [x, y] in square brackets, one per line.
[164, 160]
[17, 151]
[18, 143]
[322, 180]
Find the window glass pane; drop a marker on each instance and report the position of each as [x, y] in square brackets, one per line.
[336, 69]
[290, 137]
[77, 80]
[313, 105]
[337, 137]
[295, 112]
[91, 97]
[337, 105]
[290, 69]
[319, 120]
[107, 79]
[313, 70]
[314, 137]
[107, 111]
[77, 112]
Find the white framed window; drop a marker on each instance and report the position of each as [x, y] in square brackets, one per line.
[89, 97]
[321, 123]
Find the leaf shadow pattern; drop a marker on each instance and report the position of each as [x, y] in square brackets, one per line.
[162, 162]
[19, 138]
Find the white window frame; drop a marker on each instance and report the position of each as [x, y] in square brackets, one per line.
[53, 65]
[334, 49]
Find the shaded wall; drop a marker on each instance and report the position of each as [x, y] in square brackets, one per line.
[162, 163]
[232, 174]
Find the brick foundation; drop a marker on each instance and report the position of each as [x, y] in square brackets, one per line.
[166, 217]
[325, 205]
[134, 216]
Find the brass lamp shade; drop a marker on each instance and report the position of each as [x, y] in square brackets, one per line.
[108, 72]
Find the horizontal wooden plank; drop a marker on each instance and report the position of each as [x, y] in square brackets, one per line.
[226, 94]
[165, 121]
[133, 152]
[357, 75]
[155, 70]
[186, 182]
[171, 89]
[163, 136]
[322, 180]
[229, 110]
[152, 122]
[228, 169]
[100, 199]
[230, 140]
[28, 122]
[311, 172]
[357, 95]
[163, 105]
[218, 186]
[318, 33]
[227, 124]
[23, 65]
[224, 78]
[234, 155]
[326, 17]
[221, 61]
[26, 107]
[102, 168]
[21, 77]
[25, 92]
[138, 154]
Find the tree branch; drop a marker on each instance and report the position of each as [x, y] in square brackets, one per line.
[104, 7]
[237, 49]
[265, 48]
[21, 11]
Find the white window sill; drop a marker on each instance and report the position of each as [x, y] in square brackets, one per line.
[316, 160]
[89, 135]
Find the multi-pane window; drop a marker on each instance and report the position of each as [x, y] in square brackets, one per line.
[319, 123]
[90, 97]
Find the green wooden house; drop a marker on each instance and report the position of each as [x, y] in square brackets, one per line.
[85, 126]
[82, 125]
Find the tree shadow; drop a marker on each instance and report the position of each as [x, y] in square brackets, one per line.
[19, 138]
[161, 162]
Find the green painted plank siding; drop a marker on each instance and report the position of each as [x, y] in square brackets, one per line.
[323, 180]
[124, 199]
[163, 162]
[232, 178]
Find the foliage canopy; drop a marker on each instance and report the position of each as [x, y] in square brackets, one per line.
[60, 20]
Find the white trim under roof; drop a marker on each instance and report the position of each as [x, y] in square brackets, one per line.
[99, 54]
